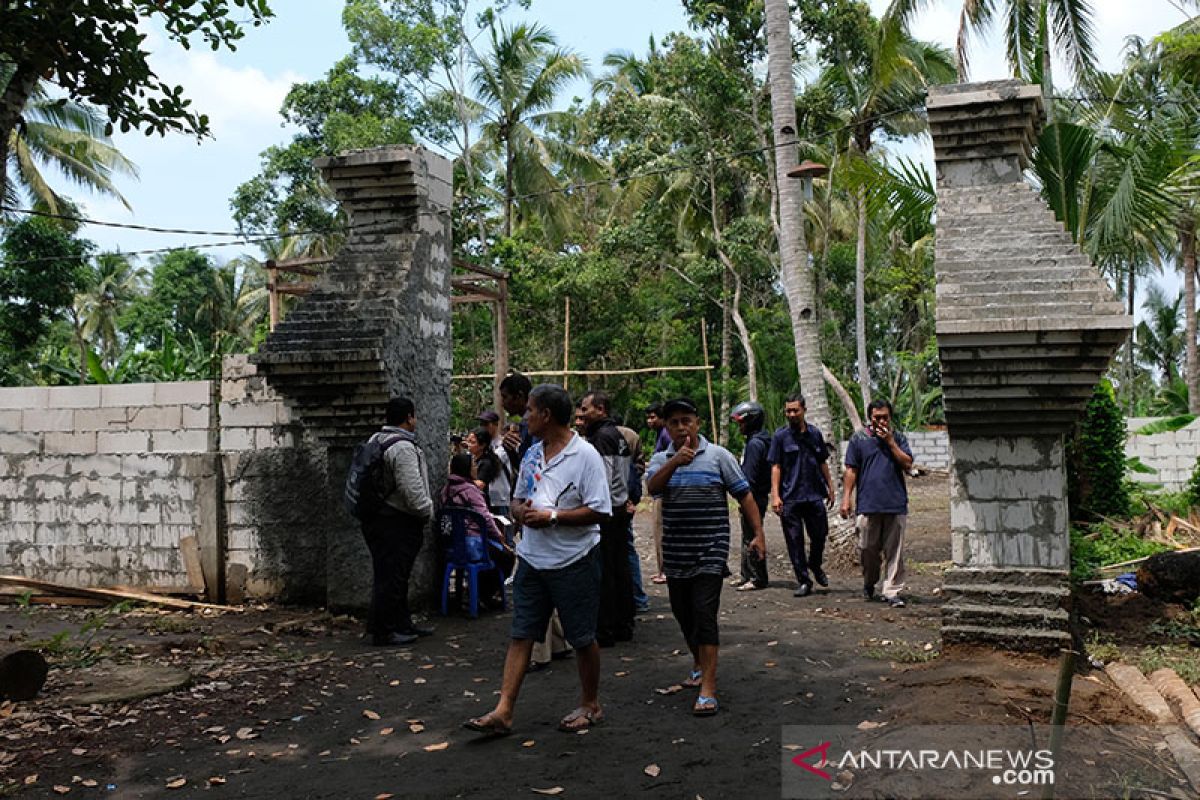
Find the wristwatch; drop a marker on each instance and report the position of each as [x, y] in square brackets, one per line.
[554, 517]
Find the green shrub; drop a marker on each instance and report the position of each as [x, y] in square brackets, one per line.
[1094, 546]
[1096, 485]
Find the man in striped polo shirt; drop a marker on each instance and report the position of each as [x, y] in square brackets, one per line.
[692, 477]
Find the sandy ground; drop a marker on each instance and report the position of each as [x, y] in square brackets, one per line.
[290, 703]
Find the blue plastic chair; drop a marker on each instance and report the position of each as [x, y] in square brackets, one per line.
[466, 556]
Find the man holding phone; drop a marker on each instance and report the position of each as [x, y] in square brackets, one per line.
[692, 477]
[876, 461]
[561, 498]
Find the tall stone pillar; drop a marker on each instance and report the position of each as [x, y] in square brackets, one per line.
[376, 325]
[1026, 328]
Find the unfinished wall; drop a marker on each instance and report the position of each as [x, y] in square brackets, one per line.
[102, 483]
[1172, 455]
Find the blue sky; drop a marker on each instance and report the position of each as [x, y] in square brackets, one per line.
[187, 184]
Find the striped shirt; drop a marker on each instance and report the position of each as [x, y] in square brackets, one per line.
[695, 512]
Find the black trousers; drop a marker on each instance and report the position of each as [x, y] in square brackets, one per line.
[754, 569]
[796, 519]
[394, 542]
[695, 603]
[617, 609]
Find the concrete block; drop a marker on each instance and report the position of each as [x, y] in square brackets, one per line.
[242, 538]
[95, 465]
[13, 443]
[145, 464]
[123, 442]
[10, 420]
[127, 394]
[43, 467]
[193, 441]
[74, 397]
[237, 439]
[48, 419]
[249, 415]
[156, 418]
[101, 419]
[75, 443]
[194, 417]
[49, 490]
[192, 393]
[24, 397]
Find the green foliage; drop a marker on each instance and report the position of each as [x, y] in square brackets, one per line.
[1098, 545]
[1168, 425]
[43, 267]
[95, 51]
[1096, 460]
[1193, 485]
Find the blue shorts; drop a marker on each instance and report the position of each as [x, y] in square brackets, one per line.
[574, 590]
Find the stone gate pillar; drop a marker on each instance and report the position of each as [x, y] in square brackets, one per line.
[1026, 327]
[376, 325]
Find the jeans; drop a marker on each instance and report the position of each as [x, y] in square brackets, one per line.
[640, 600]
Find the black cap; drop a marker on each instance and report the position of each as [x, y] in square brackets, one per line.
[678, 405]
[488, 416]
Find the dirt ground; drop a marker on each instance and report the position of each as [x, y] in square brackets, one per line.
[288, 702]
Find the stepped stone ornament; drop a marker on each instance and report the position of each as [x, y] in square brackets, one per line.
[376, 325]
[1026, 328]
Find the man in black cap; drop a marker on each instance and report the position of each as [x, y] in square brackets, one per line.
[499, 492]
[750, 417]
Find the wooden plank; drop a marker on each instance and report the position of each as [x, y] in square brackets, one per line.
[298, 264]
[594, 372]
[111, 595]
[480, 270]
[189, 550]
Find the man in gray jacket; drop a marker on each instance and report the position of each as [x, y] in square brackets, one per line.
[394, 536]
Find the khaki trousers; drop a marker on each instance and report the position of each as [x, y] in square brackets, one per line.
[555, 642]
[881, 550]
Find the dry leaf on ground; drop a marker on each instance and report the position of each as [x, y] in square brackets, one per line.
[369, 714]
[528, 743]
[386, 731]
[61, 789]
[552, 791]
[383, 796]
[672, 689]
[432, 748]
[416, 727]
[216, 780]
[868, 725]
[246, 733]
[652, 770]
[176, 783]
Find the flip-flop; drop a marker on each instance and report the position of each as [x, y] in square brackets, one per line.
[493, 728]
[694, 679]
[705, 706]
[591, 719]
[659, 578]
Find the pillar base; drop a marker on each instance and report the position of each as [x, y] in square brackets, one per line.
[1016, 609]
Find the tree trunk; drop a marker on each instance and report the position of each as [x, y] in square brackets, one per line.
[847, 401]
[12, 104]
[1130, 294]
[735, 309]
[1047, 64]
[1187, 240]
[860, 299]
[508, 187]
[796, 276]
[726, 354]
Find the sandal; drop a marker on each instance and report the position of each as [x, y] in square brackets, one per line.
[705, 706]
[748, 586]
[659, 578]
[693, 680]
[493, 728]
[571, 722]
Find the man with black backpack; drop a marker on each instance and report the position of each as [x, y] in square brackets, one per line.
[388, 490]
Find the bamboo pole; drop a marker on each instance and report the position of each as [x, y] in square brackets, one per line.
[567, 344]
[583, 372]
[1058, 717]
[712, 411]
[273, 309]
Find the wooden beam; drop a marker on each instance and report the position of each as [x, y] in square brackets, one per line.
[298, 264]
[585, 372]
[111, 595]
[480, 270]
[471, 298]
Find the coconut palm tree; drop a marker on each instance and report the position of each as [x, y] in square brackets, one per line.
[114, 282]
[797, 277]
[880, 89]
[69, 136]
[1159, 336]
[1033, 30]
[516, 82]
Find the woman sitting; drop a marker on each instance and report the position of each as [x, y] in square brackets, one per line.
[462, 492]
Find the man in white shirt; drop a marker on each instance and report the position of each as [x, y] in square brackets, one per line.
[561, 496]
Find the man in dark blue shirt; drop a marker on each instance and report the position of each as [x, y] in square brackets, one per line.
[750, 418]
[801, 490]
[876, 461]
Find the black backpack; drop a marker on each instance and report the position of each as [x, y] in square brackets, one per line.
[369, 481]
